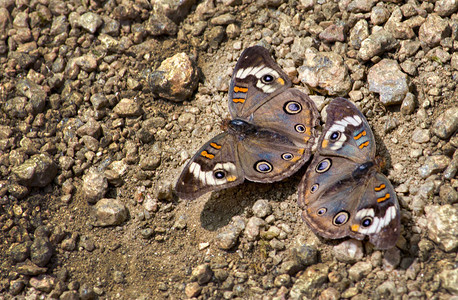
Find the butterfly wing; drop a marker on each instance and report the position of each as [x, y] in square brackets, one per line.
[256, 78]
[337, 203]
[214, 167]
[346, 133]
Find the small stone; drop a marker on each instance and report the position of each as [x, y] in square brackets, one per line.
[359, 270]
[99, 101]
[282, 280]
[277, 245]
[91, 128]
[262, 208]
[90, 21]
[379, 15]
[193, 289]
[433, 30]
[69, 244]
[330, 294]
[38, 171]
[224, 19]
[159, 24]
[349, 251]
[29, 269]
[312, 278]
[20, 252]
[408, 104]
[447, 123]
[95, 186]
[202, 274]
[44, 283]
[387, 79]
[41, 251]
[327, 71]
[434, 164]
[181, 222]
[449, 280]
[304, 254]
[110, 212]
[333, 33]
[442, 229]
[271, 233]
[175, 79]
[86, 292]
[253, 227]
[386, 289]
[150, 162]
[420, 136]
[87, 243]
[128, 108]
[376, 44]
[69, 295]
[229, 237]
[16, 286]
[359, 33]
[35, 93]
[448, 194]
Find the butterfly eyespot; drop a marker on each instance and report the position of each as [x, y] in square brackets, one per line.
[263, 166]
[321, 211]
[366, 222]
[292, 107]
[287, 156]
[335, 136]
[266, 79]
[323, 165]
[341, 218]
[299, 128]
[314, 188]
[219, 174]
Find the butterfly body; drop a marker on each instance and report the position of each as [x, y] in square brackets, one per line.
[269, 137]
[343, 192]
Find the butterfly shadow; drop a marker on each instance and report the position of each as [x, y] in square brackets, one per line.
[223, 205]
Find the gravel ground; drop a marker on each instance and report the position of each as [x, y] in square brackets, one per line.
[103, 102]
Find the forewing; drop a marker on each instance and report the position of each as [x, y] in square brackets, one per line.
[346, 133]
[256, 78]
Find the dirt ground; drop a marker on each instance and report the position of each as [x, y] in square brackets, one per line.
[160, 251]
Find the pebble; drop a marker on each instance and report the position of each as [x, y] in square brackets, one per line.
[330, 294]
[359, 33]
[193, 289]
[20, 252]
[38, 171]
[434, 164]
[446, 124]
[202, 274]
[359, 270]
[35, 93]
[86, 292]
[271, 233]
[91, 128]
[16, 286]
[379, 15]
[90, 21]
[399, 30]
[150, 161]
[29, 269]
[282, 280]
[252, 228]
[312, 278]
[128, 108]
[386, 290]
[159, 24]
[348, 251]
[442, 229]
[449, 280]
[387, 79]
[229, 236]
[95, 186]
[448, 194]
[69, 295]
[41, 251]
[408, 104]
[433, 30]
[175, 79]
[110, 212]
[327, 71]
[262, 208]
[69, 244]
[44, 283]
[376, 44]
[420, 136]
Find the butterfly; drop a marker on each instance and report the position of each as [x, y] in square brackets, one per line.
[269, 137]
[343, 193]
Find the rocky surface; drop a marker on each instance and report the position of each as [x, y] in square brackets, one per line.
[103, 102]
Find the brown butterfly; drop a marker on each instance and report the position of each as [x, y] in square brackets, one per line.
[343, 192]
[269, 137]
